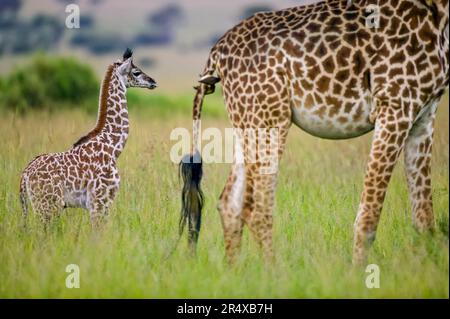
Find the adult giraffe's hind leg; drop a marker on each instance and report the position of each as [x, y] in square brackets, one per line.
[230, 208]
[391, 129]
[249, 198]
[260, 199]
[418, 169]
[259, 216]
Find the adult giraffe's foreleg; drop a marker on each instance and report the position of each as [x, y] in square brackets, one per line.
[418, 169]
[391, 129]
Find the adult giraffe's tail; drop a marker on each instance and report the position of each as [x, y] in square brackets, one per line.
[191, 198]
[190, 167]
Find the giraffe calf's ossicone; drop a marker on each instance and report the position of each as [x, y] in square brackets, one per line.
[86, 175]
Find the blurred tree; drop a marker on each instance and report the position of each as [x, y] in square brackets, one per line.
[104, 43]
[41, 33]
[66, 2]
[80, 39]
[166, 17]
[145, 39]
[8, 13]
[13, 5]
[86, 21]
[251, 10]
[98, 43]
[163, 24]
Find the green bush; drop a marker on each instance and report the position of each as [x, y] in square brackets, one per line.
[49, 82]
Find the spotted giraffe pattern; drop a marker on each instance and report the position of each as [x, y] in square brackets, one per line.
[322, 68]
[86, 176]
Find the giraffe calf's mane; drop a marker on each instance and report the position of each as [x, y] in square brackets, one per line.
[103, 100]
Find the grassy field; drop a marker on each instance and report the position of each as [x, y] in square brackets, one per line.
[317, 198]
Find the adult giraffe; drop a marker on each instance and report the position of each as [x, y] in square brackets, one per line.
[324, 69]
[86, 175]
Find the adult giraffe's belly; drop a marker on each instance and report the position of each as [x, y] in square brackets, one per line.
[331, 122]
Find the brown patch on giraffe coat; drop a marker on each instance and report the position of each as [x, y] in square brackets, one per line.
[328, 64]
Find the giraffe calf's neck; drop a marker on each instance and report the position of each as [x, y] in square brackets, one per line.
[112, 125]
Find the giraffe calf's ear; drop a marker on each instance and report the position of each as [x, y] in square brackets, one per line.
[209, 79]
[125, 67]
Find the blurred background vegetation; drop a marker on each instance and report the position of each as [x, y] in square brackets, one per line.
[44, 29]
[55, 83]
[46, 82]
[46, 66]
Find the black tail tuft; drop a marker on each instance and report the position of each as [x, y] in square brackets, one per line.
[191, 171]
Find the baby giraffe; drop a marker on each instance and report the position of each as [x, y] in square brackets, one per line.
[86, 176]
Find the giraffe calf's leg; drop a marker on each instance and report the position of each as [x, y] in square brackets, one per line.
[46, 198]
[98, 218]
[100, 198]
[418, 170]
[98, 213]
[50, 209]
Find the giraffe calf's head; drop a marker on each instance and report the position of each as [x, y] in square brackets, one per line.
[131, 75]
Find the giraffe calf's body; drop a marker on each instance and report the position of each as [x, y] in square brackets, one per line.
[80, 177]
[86, 176]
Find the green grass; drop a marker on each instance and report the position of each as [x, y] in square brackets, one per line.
[317, 198]
[164, 107]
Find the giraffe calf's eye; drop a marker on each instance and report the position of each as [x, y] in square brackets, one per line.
[136, 73]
